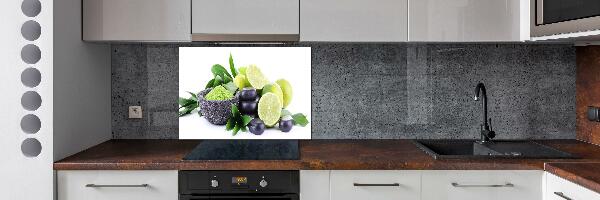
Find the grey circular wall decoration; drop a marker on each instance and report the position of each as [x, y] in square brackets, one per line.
[31, 30]
[31, 147]
[31, 8]
[31, 100]
[31, 54]
[31, 77]
[31, 124]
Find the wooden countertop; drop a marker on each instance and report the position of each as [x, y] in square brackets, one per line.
[584, 174]
[314, 155]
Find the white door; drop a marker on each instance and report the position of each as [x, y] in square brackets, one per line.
[26, 146]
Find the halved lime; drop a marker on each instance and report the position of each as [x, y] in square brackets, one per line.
[256, 77]
[286, 88]
[273, 88]
[269, 109]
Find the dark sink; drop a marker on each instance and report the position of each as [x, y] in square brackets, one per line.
[470, 149]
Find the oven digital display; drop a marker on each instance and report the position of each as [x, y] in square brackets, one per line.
[239, 180]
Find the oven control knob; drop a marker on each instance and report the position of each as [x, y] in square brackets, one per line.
[263, 183]
[214, 183]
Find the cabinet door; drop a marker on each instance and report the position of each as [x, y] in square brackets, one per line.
[220, 18]
[478, 185]
[560, 189]
[136, 20]
[468, 20]
[314, 185]
[117, 185]
[376, 185]
[354, 20]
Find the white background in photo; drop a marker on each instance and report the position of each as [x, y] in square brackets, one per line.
[290, 63]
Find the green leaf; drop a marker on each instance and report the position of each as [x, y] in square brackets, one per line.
[284, 113]
[246, 120]
[209, 84]
[194, 97]
[236, 128]
[231, 87]
[219, 70]
[186, 111]
[183, 101]
[300, 119]
[230, 124]
[234, 111]
[244, 129]
[231, 66]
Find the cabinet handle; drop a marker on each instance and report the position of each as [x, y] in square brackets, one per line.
[376, 184]
[115, 186]
[562, 195]
[493, 185]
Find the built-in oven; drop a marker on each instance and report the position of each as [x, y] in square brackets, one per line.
[235, 185]
[552, 17]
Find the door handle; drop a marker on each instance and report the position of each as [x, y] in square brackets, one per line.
[562, 195]
[376, 184]
[491, 185]
[115, 186]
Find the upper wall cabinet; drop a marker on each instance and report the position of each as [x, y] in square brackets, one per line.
[468, 20]
[136, 20]
[354, 20]
[243, 20]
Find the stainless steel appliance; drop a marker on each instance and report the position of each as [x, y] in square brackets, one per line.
[232, 185]
[552, 17]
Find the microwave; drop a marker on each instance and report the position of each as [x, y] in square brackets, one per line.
[554, 17]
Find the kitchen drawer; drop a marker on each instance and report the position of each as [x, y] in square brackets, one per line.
[162, 185]
[478, 185]
[556, 186]
[394, 185]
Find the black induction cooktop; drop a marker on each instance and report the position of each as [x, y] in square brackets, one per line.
[245, 150]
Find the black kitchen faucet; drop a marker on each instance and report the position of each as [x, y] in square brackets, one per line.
[487, 134]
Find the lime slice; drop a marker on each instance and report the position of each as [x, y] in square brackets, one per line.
[241, 82]
[269, 109]
[255, 77]
[273, 88]
[286, 88]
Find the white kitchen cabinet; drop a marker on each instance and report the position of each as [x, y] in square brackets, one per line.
[478, 185]
[136, 20]
[243, 20]
[314, 184]
[354, 20]
[560, 189]
[117, 185]
[468, 20]
[376, 185]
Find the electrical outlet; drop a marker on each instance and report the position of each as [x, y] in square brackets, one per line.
[135, 112]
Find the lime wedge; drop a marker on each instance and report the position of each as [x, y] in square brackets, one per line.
[256, 77]
[241, 82]
[242, 70]
[273, 88]
[269, 109]
[286, 88]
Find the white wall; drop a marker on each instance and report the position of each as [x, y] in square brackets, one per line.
[82, 110]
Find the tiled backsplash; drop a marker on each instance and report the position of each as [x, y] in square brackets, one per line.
[377, 91]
